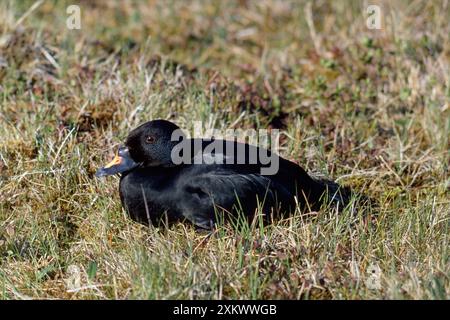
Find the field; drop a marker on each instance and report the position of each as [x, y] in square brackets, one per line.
[369, 108]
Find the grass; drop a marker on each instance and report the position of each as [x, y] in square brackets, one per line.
[369, 108]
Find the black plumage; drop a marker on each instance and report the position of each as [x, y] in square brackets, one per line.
[154, 188]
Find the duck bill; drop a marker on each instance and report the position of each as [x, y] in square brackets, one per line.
[122, 162]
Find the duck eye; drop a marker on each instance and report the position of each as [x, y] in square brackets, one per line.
[150, 139]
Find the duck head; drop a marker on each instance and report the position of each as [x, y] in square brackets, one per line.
[149, 145]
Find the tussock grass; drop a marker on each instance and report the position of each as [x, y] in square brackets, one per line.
[369, 108]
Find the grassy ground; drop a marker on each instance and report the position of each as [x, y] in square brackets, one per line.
[369, 108]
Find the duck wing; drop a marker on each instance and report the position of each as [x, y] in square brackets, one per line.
[217, 189]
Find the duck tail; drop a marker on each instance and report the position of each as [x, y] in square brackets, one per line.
[338, 196]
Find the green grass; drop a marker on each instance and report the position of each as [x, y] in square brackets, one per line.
[369, 108]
